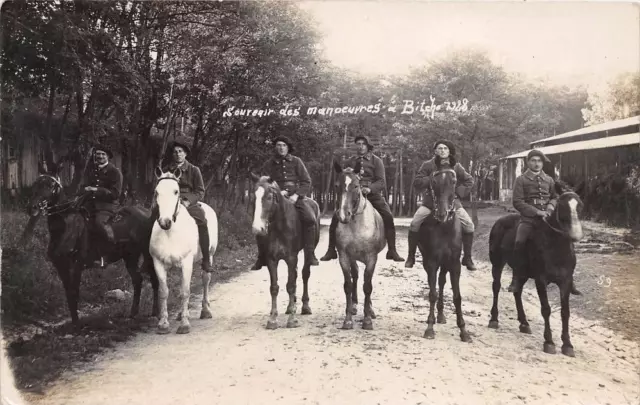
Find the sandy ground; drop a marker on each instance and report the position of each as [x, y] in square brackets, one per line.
[233, 359]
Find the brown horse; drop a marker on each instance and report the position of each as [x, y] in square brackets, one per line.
[440, 243]
[279, 230]
[360, 237]
[70, 237]
[551, 258]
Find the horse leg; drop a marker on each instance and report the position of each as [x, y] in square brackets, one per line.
[431, 270]
[368, 288]
[496, 272]
[549, 347]
[206, 309]
[131, 262]
[565, 291]
[292, 264]
[75, 279]
[442, 280]
[187, 270]
[272, 265]
[345, 264]
[457, 300]
[354, 287]
[163, 294]
[306, 273]
[522, 318]
[63, 268]
[153, 278]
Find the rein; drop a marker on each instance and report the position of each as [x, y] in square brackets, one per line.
[57, 208]
[451, 210]
[177, 207]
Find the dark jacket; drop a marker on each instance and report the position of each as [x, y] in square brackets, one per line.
[372, 172]
[464, 182]
[290, 173]
[191, 183]
[108, 181]
[533, 192]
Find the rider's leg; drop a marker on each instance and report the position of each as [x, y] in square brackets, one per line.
[467, 237]
[519, 252]
[331, 250]
[100, 220]
[421, 214]
[203, 235]
[379, 203]
[308, 221]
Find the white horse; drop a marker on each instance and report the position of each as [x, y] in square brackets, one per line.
[174, 243]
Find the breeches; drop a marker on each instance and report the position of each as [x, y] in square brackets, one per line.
[101, 217]
[307, 216]
[380, 204]
[197, 213]
[423, 212]
[525, 226]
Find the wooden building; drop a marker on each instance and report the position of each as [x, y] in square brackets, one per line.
[579, 155]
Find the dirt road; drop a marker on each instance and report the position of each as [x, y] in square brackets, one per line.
[233, 359]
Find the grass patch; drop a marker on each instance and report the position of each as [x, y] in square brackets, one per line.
[42, 344]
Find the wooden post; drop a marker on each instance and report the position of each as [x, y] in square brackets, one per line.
[395, 187]
[327, 192]
[412, 194]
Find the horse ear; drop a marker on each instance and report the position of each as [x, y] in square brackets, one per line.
[357, 169]
[177, 172]
[157, 171]
[269, 180]
[337, 167]
[254, 176]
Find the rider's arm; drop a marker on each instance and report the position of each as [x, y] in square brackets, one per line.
[112, 190]
[379, 179]
[422, 180]
[519, 204]
[553, 196]
[197, 187]
[304, 180]
[464, 180]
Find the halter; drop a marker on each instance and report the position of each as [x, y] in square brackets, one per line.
[560, 231]
[364, 206]
[177, 207]
[451, 210]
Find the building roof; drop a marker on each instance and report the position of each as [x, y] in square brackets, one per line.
[600, 143]
[591, 129]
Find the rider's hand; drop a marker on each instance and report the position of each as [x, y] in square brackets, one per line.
[542, 214]
[284, 193]
[89, 188]
[366, 190]
[294, 197]
[186, 202]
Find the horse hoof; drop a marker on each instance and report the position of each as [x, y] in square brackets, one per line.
[162, 330]
[441, 319]
[293, 323]
[367, 324]
[272, 325]
[525, 329]
[465, 337]
[373, 314]
[205, 314]
[568, 351]
[493, 324]
[305, 310]
[347, 325]
[549, 348]
[183, 329]
[429, 334]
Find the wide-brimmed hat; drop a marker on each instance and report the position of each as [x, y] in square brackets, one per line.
[536, 152]
[448, 144]
[365, 139]
[103, 148]
[286, 140]
[181, 143]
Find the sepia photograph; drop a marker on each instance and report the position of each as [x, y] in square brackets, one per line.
[320, 202]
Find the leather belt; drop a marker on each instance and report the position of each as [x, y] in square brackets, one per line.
[289, 183]
[537, 201]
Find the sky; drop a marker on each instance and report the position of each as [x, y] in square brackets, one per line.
[569, 43]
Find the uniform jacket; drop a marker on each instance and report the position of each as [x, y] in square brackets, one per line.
[191, 183]
[533, 192]
[371, 172]
[464, 182]
[108, 181]
[290, 173]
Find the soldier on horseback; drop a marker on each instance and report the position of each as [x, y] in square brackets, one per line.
[101, 190]
[293, 178]
[373, 184]
[445, 158]
[191, 192]
[534, 196]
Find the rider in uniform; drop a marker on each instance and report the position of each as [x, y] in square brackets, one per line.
[191, 192]
[535, 197]
[445, 157]
[293, 179]
[102, 187]
[373, 182]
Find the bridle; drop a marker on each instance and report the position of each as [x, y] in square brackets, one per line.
[57, 187]
[356, 205]
[557, 219]
[451, 210]
[177, 207]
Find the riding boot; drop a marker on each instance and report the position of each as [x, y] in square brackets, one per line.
[392, 254]
[203, 231]
[467, 244]
[331, 250]
[260, 262]
[413, 244]
[309, 238]
[574, 290]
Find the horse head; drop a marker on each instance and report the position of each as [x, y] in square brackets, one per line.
[565, 218]
[443, 193]
[268, 197]
[166, 196]
[349, 191]
[46, 192]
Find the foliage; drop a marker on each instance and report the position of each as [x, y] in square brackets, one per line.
[620, 100]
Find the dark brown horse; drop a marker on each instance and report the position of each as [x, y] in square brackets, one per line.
[440, 243]
[550, 259]
[71, 236]
[278, 228]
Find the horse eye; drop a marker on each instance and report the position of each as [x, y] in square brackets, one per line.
[175, 192]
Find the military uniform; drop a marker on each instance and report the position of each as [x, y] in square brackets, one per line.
[532, 193]
[372, 175]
